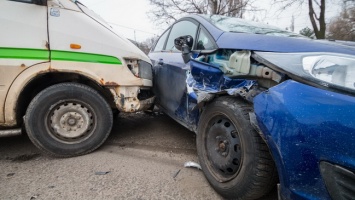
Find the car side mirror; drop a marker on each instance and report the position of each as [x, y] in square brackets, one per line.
[184, 44]
[179, 42]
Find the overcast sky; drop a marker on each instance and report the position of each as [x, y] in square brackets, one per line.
[131, 20]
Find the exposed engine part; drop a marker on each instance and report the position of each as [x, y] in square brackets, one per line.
[239, 63]
[264, 72]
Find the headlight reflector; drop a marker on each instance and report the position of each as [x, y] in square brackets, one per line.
[332, 69]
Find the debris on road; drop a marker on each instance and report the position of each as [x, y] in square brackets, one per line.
[192, 164]
[34, 197]
[102, 173]
[176, 173]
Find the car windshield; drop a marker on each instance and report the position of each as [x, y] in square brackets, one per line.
[237, 25]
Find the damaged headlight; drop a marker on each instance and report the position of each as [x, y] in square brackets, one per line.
[331, 69]
[140, 68]
[326, 69]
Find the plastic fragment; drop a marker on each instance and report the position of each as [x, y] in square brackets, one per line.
[192, 164]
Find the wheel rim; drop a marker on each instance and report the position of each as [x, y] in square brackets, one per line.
[223, 148]
[71, 122]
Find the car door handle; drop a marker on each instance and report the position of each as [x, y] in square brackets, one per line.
[161, 62]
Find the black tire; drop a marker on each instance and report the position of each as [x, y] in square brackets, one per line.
[233, 156]
[68, 119]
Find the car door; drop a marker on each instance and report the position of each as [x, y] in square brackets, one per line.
[23, 41]
[170, 71]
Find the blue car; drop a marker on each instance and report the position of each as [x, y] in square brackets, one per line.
[268, 106]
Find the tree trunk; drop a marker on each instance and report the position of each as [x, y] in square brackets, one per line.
[319, 32]
[213, 4]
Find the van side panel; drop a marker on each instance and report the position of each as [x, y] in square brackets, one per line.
[23, 43]
[97, 45]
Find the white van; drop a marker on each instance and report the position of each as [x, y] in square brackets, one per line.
[63, 70]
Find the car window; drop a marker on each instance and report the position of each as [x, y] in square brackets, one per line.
[160, 44]
[180, 29]
[204, 41]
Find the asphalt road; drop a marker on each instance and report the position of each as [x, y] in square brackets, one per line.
[142, 159]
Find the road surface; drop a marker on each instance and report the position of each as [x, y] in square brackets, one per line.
[142, 159]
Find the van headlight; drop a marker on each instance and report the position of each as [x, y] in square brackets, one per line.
[140, 68]
[326, 69]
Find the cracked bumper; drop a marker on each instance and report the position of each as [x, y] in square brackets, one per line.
[127, 98]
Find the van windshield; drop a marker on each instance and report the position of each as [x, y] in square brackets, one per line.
[91, 14]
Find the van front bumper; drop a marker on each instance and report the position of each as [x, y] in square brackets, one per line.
[132, 98]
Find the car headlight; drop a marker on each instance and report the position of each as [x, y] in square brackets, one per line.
[325, 69]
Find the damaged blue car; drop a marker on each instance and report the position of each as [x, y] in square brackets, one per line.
[268, 106]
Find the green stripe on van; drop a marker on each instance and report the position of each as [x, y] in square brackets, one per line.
[42, 54]
[84, 57]
[23, 53]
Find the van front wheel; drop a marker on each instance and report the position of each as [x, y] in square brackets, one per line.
[68, 119]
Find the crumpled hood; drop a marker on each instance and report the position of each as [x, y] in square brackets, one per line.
[269, 43]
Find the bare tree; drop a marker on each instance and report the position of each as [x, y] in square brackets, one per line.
[316, 12]
[146, 45]
[342, 27]
[170, 10]
[292, 26]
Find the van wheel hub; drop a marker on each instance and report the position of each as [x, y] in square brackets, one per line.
[71, 121]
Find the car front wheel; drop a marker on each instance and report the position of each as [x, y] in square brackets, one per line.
[233, 157]
[68, 119]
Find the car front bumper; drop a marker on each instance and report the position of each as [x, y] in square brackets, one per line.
[305, 126]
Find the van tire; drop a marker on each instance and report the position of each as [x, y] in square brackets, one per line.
[234, 158]
[68, 119]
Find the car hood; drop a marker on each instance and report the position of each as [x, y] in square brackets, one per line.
[270, 43]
